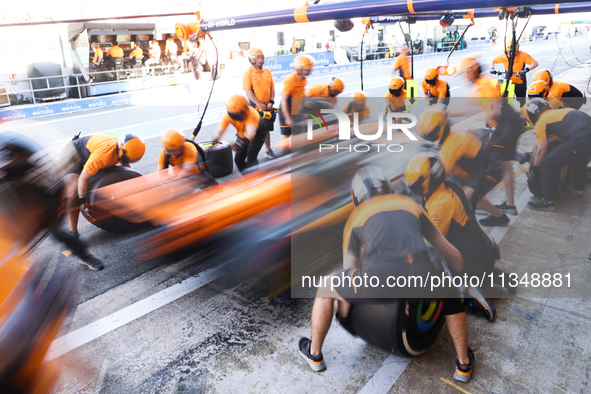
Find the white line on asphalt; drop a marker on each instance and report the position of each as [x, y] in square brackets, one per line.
[101, 378]
[392, 367]
[386, 375]
[132, 126]
[499, 232]
[66, 118]
[82, 336]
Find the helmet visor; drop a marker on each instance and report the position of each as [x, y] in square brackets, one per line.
[432, 136]
[175, 152]
[417, 186]
[236, 115]
[536, 95]
[396, 92]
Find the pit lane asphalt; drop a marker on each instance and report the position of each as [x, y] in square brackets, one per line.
[150, 117]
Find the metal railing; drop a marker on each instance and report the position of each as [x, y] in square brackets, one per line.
[82, 77]
[373, 55]
[382, 54]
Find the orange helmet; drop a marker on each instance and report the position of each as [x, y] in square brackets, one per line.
[468, 63]
[508, 47]
[304, 61]
[359, 97]
[131, 147]
[173, 139]
[237, 107]
[431, 75]
[544, 75]
[396, 83]
[253, 53]
[424, 174]
[537, 89]
[396, 86]
[432, 124]
[336, 85]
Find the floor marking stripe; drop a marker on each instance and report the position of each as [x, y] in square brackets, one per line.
[86, 334]
[386, 375]
[455, 386]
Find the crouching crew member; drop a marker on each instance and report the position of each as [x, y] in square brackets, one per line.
[573, 128]
[330, 91]
[181, 155]
[568, 94]
[464, 154]
[395, 98]
[539, 89]
[392, 228]
[436, 90]
[358, 105]
[86, 156]
[449, 210]
[250, 130]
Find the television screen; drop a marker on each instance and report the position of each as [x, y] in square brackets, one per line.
[124, 38]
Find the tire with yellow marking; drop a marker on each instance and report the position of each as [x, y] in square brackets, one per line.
[405, 328]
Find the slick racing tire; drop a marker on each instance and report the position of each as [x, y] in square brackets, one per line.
[405, 328]
[103, 219]
[219, 157]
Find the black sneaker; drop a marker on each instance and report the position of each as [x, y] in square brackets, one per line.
[463, 372]
[270, 155]
[542, 205]
[92, 262]
[508, 209]
[316, 362]
[494, 221]
[480, 305]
